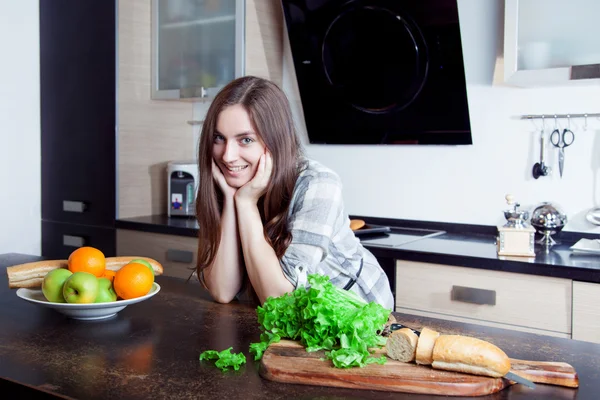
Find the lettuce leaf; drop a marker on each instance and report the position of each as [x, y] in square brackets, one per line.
[324, 317]
[225, 359]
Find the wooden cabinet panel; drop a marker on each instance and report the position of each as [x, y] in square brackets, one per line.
[586, 311]
[507, 300]
[177, 254]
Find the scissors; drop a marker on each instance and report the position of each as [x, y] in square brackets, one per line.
[562, 140]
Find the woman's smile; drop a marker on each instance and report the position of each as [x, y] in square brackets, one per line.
[235, 171]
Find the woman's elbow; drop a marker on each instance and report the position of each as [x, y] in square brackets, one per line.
[223, 299]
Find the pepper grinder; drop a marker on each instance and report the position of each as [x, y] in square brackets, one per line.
[516, 237]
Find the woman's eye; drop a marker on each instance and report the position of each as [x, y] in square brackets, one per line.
[247, 140]
[218, 139]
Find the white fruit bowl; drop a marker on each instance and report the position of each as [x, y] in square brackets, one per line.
[87, 312]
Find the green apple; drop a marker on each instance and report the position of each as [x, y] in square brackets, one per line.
[81, 287]
[106, 292]
[52, 285]
[144, 262]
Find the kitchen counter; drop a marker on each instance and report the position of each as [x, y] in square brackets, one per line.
[151, 350]
[460, 245]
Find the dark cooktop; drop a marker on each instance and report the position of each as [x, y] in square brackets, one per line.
[398, 236]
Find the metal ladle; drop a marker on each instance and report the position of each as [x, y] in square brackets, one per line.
[541, 169]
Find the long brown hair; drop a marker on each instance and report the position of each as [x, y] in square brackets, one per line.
[271, 117]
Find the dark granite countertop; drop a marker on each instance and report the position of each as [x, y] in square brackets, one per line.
[151, 350]
[460, 245]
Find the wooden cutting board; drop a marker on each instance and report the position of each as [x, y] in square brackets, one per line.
[288, 361]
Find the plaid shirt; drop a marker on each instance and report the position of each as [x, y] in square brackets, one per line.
[322, 241]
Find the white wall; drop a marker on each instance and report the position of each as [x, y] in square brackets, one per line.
[20, 191]
[467, 184]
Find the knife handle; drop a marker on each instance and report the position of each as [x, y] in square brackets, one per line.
[396, 326]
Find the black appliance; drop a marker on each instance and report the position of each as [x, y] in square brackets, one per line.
[379, 71]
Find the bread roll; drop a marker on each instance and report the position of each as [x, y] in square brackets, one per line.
[30, 275]
[424, 354]
[401, 345]
[469, 355]
[356, 224]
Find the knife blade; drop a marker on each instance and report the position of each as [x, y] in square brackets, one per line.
[511, 376]
[561, 160]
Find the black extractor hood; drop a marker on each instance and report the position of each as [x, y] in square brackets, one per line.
[380, 71]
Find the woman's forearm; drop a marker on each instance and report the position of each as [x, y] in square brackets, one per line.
[223, 277]
[261, 261]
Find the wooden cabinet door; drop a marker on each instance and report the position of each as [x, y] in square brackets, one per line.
[507, 300]
[77, 95]
[177, 254]
[586, 311]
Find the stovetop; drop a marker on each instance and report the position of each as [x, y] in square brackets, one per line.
[399, 236]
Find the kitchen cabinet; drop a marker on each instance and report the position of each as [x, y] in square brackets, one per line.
[551, 42]
[77, 117]
[586, 311]
[177, 254]
[508, 300]
[197, 46]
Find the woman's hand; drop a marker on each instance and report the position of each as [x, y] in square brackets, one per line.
[218, 176]
[257, 186]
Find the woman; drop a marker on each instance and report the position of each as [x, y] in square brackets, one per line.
[267, 215]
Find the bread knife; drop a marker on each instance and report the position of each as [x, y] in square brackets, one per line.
[518, 379]
[510, 375]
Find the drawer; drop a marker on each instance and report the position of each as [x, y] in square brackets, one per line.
[586, 311]
[177, 254]
[59, 239]
[495, 298]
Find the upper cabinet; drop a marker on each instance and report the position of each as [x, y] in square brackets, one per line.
[197, 47]
[551, 42]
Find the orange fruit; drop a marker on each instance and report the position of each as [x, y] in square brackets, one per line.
[87, 259]
[133, 280]
[109, 274]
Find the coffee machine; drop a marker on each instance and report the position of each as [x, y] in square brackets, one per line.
[182, 178]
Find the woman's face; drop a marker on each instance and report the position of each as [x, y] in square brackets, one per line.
[236, 146]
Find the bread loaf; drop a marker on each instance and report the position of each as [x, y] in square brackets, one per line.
[30, 275]
[401, 345]
[427, 338]
[356, 224]
[470, 355]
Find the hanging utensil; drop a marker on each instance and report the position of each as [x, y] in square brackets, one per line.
[561, 141]
[541, 169]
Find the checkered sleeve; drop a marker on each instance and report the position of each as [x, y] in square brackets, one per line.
[316, 206]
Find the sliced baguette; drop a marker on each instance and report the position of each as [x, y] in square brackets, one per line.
[401, 345]
[424, 354]
[469, 355]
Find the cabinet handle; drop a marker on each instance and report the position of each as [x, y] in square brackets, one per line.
[74, 206]
[73, 241]
[585, 71]
[181, 256]
[473, 295]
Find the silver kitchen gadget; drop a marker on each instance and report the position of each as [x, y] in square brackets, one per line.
[548, 219]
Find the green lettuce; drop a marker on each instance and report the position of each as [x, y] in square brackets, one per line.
[225, 359]
[324, 317]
